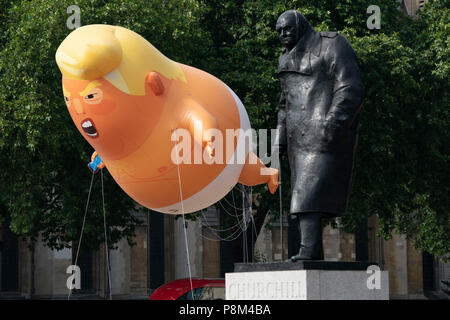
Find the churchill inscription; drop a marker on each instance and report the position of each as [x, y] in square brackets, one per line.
[305, 285]
[284, 290]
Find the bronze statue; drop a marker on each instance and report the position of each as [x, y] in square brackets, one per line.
[321, 95]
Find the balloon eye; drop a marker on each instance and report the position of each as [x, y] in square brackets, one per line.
[94, 97]
[66, 98]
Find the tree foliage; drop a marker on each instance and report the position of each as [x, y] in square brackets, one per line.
[401, 165]
[44, 182]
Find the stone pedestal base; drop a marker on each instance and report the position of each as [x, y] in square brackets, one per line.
[306, 280]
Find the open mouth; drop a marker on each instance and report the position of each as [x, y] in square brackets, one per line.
[89, 128]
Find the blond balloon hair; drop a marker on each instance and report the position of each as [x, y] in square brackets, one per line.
[116, 54]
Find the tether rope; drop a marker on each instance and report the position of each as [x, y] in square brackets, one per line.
[232, 237]
[244, 235]
[232, 215]
[82, 228]
[205, 223]
[108, 262]
[182, 212]
[281, 214]
[231, 205]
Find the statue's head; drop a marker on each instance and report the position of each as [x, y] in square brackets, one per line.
[291, 26]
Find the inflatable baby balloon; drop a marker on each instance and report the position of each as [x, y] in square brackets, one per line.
[161, 128]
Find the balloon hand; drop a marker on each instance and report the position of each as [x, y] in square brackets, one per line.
[96, 163]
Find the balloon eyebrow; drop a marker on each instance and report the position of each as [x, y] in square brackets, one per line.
[90, 86]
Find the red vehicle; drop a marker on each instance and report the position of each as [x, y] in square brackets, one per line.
[202, 289]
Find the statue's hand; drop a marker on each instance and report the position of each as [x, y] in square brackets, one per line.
[332, 134]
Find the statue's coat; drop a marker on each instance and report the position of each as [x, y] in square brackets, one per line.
[318, 119]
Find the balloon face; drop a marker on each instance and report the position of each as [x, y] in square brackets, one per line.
[115, 123]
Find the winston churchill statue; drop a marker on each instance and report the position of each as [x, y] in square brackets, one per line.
[321, 94]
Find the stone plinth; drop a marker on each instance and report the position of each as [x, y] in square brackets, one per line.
[306, 280]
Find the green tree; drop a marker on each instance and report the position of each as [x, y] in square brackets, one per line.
[44, 182]
[401, 169]
[402, 160]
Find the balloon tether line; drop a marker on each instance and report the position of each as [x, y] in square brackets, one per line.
[182, 213]
[281, 215]
[244, 230]
[82, 228]
[108, 262]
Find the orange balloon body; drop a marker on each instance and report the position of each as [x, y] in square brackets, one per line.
[132, 133]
